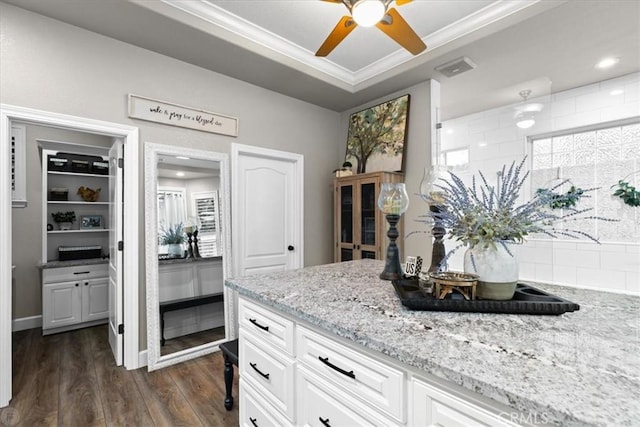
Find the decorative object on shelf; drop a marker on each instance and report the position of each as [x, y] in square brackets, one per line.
[49, 227]
[627, 192]
[174, 238]
[64, 220]
[89, 195]
[90, 222]
[447, 282]
[345, 170]
[377, 136]
[487, 220]
[393, 201]
[59, 194]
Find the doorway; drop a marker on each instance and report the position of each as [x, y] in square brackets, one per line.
[127, 271]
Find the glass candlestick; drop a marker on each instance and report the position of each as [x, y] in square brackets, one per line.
[393, 201]
[434, 196]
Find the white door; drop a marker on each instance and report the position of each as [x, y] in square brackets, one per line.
[267, 210]
[115, 253]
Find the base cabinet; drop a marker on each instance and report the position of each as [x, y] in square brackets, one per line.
[74, 297]
[294, 374]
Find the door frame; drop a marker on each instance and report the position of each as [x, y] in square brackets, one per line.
[11, 113]
[297, 160]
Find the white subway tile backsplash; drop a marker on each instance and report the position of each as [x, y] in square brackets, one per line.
[601, 278]
[621, 111]
[567, 257]
[577, 120]
[564, 275]
[597, 100]
[544, 273]
[572, 93]
[509, 134]
[484, 124]
[562, 107]
[527, 270]
[633, 282]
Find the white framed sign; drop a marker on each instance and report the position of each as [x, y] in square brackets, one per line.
[167, 113]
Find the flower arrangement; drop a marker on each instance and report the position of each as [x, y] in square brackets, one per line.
[484, 215]
[561, 200]
[172, 235]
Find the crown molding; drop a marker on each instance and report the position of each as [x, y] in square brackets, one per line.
[246, 34]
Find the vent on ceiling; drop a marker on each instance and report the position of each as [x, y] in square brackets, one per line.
[456, 66]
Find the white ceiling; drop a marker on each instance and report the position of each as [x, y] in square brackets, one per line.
[546, 46]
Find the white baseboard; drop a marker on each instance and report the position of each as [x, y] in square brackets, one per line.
[25, 323]
[142, 359]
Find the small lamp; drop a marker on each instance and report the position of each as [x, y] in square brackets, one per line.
[393, 201]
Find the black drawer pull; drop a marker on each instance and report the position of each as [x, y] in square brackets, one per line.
[265, 376]
[264, 328]
[325, 360]
[81, 272]
[253, 421]
[324, 422]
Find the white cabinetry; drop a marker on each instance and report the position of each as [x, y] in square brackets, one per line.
[294, 373]
[74, 297]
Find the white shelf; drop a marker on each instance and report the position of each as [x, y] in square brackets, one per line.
[101, 230]
[72, 202]
[77, 174]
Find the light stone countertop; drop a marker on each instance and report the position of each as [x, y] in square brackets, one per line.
[73, 263]
[575, 369]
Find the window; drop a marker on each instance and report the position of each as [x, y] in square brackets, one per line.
[456, 160]
[18, 167]
[206, 208]
[594, 158]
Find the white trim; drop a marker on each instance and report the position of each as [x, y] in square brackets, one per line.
[142, 359]
[25, 323]
[298, 165]
[9, 113]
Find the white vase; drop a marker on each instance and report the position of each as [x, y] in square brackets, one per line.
[497, 270]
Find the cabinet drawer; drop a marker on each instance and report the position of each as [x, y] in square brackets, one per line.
[267, 325]
[365, 378]
[269, 371]
[255, 411]
[433, 406]
[319, 404]
[78, 272]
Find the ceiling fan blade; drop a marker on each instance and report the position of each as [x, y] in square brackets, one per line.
[342, 30]
[397, 28]
[398, 2]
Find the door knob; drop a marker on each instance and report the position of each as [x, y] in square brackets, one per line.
[290, 248]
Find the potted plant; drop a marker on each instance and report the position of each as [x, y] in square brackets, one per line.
[487, 219]
[173, 237]
[64, 220]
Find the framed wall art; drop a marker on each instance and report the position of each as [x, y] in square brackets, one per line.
[377, 136]
[90, 222]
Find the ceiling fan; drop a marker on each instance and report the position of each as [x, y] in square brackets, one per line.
[367, 13]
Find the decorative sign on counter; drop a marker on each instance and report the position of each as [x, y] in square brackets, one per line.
[179, 115]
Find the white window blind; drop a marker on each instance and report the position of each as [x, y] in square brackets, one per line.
[206, 209]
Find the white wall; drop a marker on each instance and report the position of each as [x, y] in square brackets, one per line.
[494, 140]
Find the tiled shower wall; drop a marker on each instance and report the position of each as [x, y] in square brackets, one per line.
[494, 140]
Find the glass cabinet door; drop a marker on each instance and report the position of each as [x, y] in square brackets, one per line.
[346, 214]
[368, 214]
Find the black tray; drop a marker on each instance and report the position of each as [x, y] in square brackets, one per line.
[526, 300]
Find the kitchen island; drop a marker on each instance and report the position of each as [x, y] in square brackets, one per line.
[580, 368]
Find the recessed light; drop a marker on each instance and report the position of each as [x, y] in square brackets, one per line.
[179, 173]
[182, 157]
[616, 92]
[449, 131]
[482, 144]
[607, 63]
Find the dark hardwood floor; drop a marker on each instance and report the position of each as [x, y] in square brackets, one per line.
[70, 379]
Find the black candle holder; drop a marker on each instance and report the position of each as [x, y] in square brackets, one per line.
[392, 269]
[196, 251]
[190, 247]
[438, 231]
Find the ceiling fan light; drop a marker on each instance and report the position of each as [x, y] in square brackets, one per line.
[525, 121]
[368, 13]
